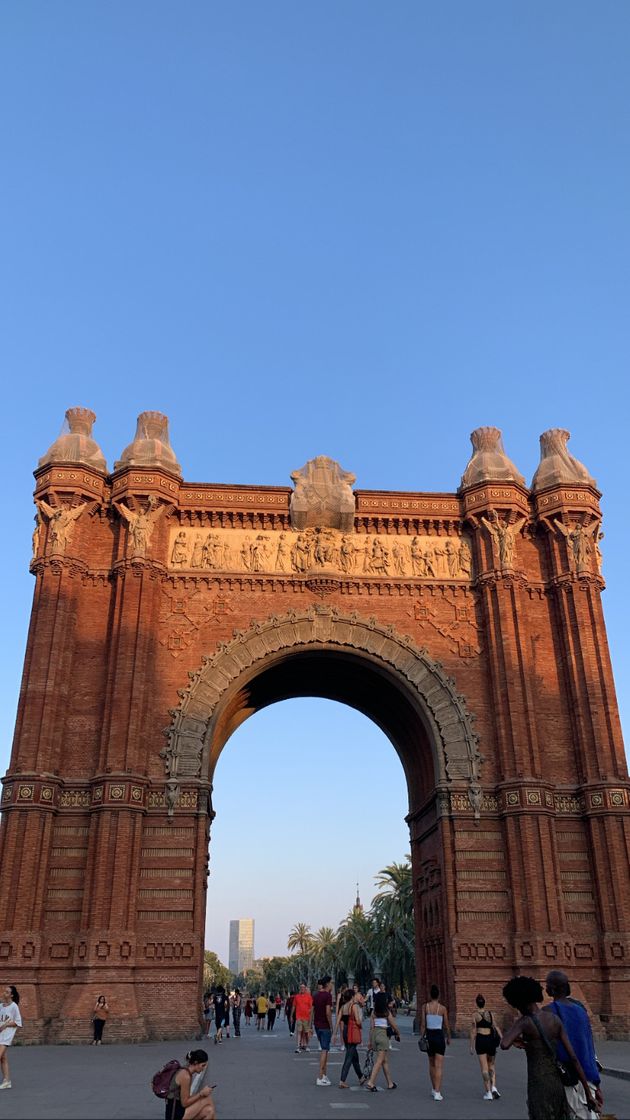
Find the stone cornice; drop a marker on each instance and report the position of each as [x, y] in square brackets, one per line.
[24, 791]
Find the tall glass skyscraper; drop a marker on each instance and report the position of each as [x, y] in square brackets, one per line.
[241, 945]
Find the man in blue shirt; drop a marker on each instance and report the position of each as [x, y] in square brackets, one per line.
[576, 1023]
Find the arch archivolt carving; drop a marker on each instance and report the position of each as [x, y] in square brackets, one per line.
[443, 708]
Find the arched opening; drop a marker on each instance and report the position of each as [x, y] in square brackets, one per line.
[347, 678]
[319, 652]
[298, 856]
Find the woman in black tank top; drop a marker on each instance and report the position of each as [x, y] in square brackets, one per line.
[485, 1036]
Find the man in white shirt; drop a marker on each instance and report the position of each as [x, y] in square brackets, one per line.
[369, 999]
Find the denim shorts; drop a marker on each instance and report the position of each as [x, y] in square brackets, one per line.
[324, 1037]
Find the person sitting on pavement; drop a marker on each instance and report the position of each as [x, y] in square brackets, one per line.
[182, 1103]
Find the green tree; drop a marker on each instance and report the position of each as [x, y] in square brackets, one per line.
[215, 973]
[325, 951]
[253, 981]
[393, 924]
[357, 947]
[300, 938]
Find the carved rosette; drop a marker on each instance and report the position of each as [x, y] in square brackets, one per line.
[186, 755]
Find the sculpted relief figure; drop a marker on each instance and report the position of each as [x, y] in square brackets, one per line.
[258, 554]
[179, 555]
[503, 533]
[197, 552]
[581, 542]
[283, 556]
[429, 561]
[452, 559]
[465, 559]
[171, 795]
[378, 562]
[301, 554]
[418, 566]
[399, 557]
[61, 522]
[214, 551]
[246, 553]
[598, 552]
[37, 532]
[475, 796]
[325, 549]
[347, 554]
[141, 524]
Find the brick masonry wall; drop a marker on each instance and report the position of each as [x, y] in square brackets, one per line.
[108, 886]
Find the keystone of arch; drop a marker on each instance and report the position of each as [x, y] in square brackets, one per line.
[444, 709]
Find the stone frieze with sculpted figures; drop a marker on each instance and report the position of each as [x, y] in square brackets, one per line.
[295, 553]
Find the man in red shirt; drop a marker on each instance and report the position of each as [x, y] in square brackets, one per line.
[303, 1005]
[322, 1019]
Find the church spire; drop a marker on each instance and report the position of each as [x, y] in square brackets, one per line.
[358, 904]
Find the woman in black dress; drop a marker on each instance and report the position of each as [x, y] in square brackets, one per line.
[537, 1032]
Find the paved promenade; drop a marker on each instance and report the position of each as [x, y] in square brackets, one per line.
[259, 1077]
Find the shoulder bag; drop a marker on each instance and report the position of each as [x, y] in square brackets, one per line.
[566, 1070]
[494, 1034]
[423, 1042]
[354, 1033]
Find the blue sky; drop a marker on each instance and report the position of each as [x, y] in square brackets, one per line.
[356, 229]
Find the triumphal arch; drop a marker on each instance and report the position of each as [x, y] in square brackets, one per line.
[468, 625]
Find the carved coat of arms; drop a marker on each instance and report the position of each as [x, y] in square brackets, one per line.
[323, 496]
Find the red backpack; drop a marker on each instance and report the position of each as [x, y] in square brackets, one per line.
[161, 1081]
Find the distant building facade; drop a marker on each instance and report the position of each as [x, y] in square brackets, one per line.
[241, 954]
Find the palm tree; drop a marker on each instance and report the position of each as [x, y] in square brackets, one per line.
[392, 911]
[300, 938]
[357, 949]
[325, 950]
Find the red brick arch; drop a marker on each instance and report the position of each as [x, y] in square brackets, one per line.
[201, 725]
[161, 605]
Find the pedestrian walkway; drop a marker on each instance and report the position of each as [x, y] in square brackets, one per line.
[259, 1077]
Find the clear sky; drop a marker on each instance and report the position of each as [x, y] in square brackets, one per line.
[355, 229]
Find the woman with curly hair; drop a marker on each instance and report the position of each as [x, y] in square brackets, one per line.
[537, 1031]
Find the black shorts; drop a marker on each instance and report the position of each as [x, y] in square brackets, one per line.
[437, 1043]
[484, 1044]
[174, 1109]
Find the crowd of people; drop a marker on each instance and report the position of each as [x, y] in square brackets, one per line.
[563, 1074]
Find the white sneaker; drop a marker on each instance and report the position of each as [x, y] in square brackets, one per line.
[322, 1081]
[326, 1080]
[5, 1085]
[495, 1093]
[488, 1096]
[437, 1096]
